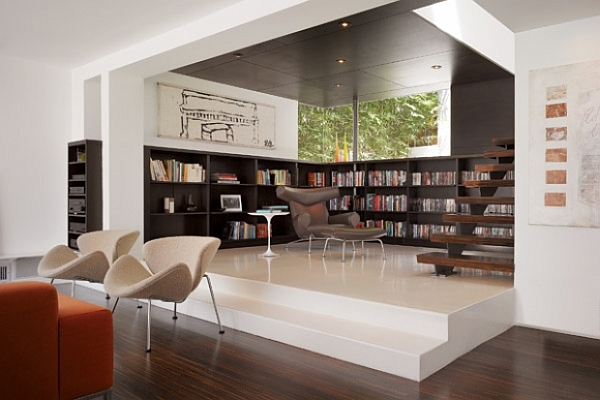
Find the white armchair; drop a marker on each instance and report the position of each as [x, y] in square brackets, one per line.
[174, 268]
[99, 249]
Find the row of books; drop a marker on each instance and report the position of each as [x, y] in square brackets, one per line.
[239, 230]
[380, 202]
[474, 176]
[424, 231]
[176, 171]
[393, 178]
[392, 228]
[348, 178]
[494, 231]
[386, 178]
[343, 203]
[316, 179]
[224, 177]
[433, 205]
[399, 203]
[273, 177]
[434, 178]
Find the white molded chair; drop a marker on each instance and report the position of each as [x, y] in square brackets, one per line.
[174, 268]
[99, 249]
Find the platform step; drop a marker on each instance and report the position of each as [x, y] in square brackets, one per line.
[484, 200]
[510, 153]
[473, 239]
[467, 261]
[506, 142]
[489, 183]
[480, 219]
[494, 167]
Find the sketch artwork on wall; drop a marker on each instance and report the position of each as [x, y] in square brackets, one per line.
[564, 140]
[194, 115]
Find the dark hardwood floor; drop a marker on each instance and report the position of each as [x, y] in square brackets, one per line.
[190, 360]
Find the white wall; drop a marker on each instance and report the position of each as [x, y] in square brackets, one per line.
[35, 104]
[286, 117]
[557, 277]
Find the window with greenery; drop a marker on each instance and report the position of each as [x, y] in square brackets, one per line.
[387, 129]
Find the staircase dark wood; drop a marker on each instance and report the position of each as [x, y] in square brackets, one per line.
[500, 176]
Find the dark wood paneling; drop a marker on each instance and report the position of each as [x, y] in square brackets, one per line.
[388, 50]
[480, 112]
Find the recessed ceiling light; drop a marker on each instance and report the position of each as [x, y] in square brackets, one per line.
[436, 66]
[345, 24]
[338, 85]
[238, 55]
[340, 61]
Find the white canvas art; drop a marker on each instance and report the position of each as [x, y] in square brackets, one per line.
[194, 115]
[564, 142]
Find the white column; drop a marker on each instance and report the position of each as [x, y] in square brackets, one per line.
[122, 135]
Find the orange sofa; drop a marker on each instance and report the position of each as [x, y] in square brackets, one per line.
[53, 346]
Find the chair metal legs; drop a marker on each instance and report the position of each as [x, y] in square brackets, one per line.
[148, 326]
[212, 295]
[115, 306]
[353, 246]
[149, 323]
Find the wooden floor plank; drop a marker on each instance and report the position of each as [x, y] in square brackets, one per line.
[190, 360]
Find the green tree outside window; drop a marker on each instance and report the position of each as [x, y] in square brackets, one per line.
[387, 128]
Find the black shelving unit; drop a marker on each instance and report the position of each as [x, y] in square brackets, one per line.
[84, 207]
[440, 181]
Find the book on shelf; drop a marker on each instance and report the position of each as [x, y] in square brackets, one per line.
[277, 207]
[262, 230]
[224, 177]
[238, 230]
[176, 171]
[316, 179]
[273, 177]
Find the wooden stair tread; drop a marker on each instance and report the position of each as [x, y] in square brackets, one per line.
[467, 261]
[506, 141]
[499, 153]
[489, 183]
[484, 200]
[494, 167]
[473, 239]
[480, 219]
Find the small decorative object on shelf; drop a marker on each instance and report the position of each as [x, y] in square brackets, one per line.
[231, 202]
[169, 205]
[190, 206]
[81, 156]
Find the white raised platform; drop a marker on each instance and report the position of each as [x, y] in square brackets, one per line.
[387, 315]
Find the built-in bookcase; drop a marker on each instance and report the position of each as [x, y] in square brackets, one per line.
[407, 197]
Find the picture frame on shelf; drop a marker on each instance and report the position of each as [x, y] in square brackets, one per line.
[231, 202]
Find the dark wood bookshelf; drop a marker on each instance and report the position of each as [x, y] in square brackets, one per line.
[210, 219]
[84, 189]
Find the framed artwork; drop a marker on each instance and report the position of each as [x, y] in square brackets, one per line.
[231, 202]
[564, 140]
[195, 115]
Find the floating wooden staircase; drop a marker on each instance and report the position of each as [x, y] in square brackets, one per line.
[466, 236]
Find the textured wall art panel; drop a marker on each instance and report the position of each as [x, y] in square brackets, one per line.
[564, 144]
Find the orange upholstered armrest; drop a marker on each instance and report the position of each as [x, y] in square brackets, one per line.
[29, 337]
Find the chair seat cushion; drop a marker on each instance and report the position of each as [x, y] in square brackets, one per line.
[356, 233]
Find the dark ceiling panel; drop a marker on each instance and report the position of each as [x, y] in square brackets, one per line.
[389, 51]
